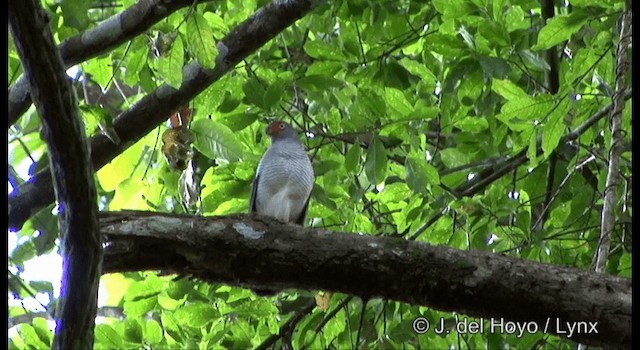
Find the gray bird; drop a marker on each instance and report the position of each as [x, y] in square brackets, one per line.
[284, 179]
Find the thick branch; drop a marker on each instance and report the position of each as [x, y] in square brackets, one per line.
[259, 252]
[72, 173]
[156, 107]
[95, 41]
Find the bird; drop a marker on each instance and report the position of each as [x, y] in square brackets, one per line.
[284, 179]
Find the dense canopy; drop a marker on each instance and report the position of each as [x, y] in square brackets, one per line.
[472, 162]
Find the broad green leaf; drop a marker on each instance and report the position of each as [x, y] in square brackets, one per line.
[624, 265]
[100, 69]
[151, 286]
[321, 82]
[418, 69]
[606, 4]
[42, 329]
[30, 337]
[129, 195]
[153, 332]
[216, 22]
[171, 326]
[514, 19]
[254, 93]
[216, 141]
[196, 315]
[139, 307]
[75, 13]
[375, 167]
[508, 90]
[322, 50]
[494, 66]
[108, 337]
[352, 159]
[420, 174]
[526, 113]
[135, 60]
[273, 94]
[201, 40]
[472, 124]
[397, 101]
[554, 128]
[132, 329]
[170, 67]
[558, 29]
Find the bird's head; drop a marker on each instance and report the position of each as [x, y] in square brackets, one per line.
[278, 130]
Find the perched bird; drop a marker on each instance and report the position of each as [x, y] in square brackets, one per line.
[284, 179]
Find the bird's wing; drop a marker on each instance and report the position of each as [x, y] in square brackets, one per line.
[254, 193]
[303, 214]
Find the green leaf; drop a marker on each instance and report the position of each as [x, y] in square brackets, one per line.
[139, 307]
[99, 69]
[108, 337]
[254, 93]
[239, 121]
[508, 90]
[418, 69]
[201, 40]
[558, 29]
[494, 66]
[153, 332]
[30, 336]
[216, 141]
[322, 50]
[397, 101]
[132, 329]
[352, 159]
[42, 329]
[472, 124]
[319, 82]
[274, 93]
[170, 68]
[420, 174]
[76, 13]
[375, 166]
[196, 315]
[135, 60]
[554, 128]
[515, 19]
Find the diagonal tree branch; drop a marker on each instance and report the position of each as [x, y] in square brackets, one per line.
[156, 107]
[95, 41]
[261, 252]
[72, 172]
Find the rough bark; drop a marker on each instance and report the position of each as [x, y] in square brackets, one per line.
[260, 252]
[72, 173]
[156, 107]
[613, 170]
[95, 41]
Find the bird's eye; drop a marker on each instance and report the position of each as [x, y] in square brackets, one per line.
[281, 126]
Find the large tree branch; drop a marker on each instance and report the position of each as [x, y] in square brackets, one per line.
[95, 41]
[260, 252]
[73, 182]
[156, 107]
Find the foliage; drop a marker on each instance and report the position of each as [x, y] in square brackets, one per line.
[408, 103]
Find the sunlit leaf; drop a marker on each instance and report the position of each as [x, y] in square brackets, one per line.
[216, 141]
